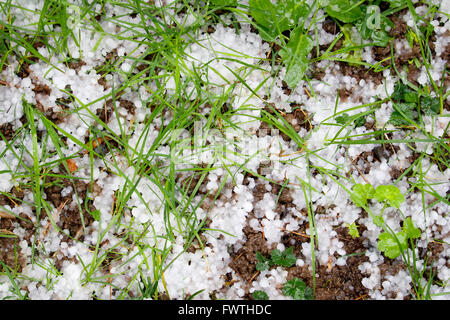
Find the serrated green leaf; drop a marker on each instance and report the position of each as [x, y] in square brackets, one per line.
[345, 10]
[411, 231]
[260, 295]
[390, 246]
[361, 193]
[297, 289]
[411, 97]
[389, 193]
[402, 93]
[403, 113]
[342, 119]
[285, 258]
[262, 263]
[295, 56]
[353, 230]
[430, 106]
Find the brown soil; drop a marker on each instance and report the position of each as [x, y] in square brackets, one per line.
[7, 131]
[107, 111]
[244, 260]
[76, 64]
[332, 283]
[10, 251]
[70, 218]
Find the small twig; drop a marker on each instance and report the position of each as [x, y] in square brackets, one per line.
[307, 92]
[6, 215]
[6, 231]
[239, 255]
[253, 277]
[359, 170]
[79, 233]
[296, 233]
[281, 154]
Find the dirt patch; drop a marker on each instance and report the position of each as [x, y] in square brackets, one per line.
[243, 262]
[361, 73]
[41, 89]
[71, 217]
[10, 251]
[105, 113]
[76, 64]
[127, 105]
[7, 131]
[337, 282]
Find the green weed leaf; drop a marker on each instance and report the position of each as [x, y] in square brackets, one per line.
[294, 56]
[260, 295]
[389, 246]
[396, 3]
[378, 220]
[272, 19]
[374, 26]
[411, 231]
[430, 106]
[402, 93]
[380, 38]
[353, 230]
[403, 114]
[393, 247]
[297, 289]
[361, 193]
[391, 194]
[344, 118]
[262, 263]
[285, 258]
[346, 11]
